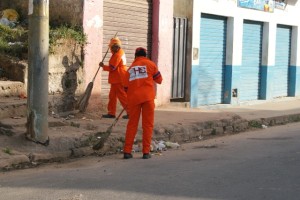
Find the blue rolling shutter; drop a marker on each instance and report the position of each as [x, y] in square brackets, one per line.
[212, 59]
[282, 61]
[251, 61]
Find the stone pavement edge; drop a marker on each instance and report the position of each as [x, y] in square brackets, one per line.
[72, 135]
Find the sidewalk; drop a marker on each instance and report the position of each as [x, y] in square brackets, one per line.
[73, 135]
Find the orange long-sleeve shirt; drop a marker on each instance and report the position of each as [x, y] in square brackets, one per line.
[140, 80]
[117, 67]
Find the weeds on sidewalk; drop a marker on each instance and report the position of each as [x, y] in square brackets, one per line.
[255, 124]
[7, 151]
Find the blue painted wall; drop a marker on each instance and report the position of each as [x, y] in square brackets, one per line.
[194, 86]
[267, 81]
[294, 81]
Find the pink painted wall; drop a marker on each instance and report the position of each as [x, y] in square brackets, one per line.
[162, 46]
[93, 27]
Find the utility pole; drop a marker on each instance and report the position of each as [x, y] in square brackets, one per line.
[37, 101]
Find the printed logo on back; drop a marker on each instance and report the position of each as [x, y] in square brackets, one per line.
[138, 72]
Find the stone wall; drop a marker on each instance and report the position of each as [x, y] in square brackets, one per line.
[60, 11]
[13, 69]
[66, 75]
[13, 77]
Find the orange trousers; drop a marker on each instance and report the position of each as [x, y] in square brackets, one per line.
[116, 92]
[147, 109]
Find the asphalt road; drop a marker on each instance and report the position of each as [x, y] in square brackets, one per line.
[256, 165]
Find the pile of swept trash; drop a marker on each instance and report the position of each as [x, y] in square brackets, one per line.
[157, 146]
[9, 17]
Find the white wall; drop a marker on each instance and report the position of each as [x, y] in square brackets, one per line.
[236, 15]
[229, 8]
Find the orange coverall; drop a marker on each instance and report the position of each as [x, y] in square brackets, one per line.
[141, 94]
[117, 71]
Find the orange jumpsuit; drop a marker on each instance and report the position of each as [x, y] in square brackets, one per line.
[140, 80]
[117, 71]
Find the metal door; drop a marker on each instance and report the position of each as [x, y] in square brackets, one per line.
[179, 57]
[282, 61]
[212, 59]
[251, 61]
[133, 21]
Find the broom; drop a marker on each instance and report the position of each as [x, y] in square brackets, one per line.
[84, 99]
[104, 135]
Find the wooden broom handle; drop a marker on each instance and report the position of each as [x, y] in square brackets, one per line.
[103, 59]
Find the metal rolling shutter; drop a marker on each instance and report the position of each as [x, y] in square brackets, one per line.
[282, 61]
[251, 60]
[212, 59]
[132, 19]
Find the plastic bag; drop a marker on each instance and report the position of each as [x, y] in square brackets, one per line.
[11, 15]
[172, 145]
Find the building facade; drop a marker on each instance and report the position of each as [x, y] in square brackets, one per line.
[146, 23]
[243, 51]
[209, 52]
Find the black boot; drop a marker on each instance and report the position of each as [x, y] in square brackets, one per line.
[127, 155]
[146, 156]
[125, 117]
[108, 116]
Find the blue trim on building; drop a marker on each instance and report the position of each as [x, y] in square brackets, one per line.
[266, 82]
[297, 87]
[263, 82]
[236, 82]
[228, 84]
[232, 82]
[194, 86]
[294, 86]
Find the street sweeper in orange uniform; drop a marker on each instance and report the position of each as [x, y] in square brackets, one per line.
[140, 85]
[117, 70]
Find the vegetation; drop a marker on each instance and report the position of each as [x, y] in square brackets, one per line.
[14, 41]
[66, 32]
[214, 132]
[255, 124]
[7, 151]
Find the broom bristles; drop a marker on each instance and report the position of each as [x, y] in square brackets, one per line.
[84, 99]
[107, 133]
[103, 138]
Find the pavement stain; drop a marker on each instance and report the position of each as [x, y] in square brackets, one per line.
[272, 138]
[213, 146]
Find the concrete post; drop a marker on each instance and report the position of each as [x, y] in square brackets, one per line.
[37, 102]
